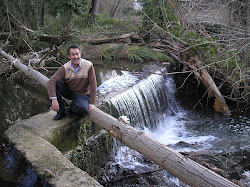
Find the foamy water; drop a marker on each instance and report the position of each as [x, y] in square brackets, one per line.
[152, 107]
[172, 131]
[117, 82]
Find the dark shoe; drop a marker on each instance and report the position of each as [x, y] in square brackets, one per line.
[59, 115]
[68, 111]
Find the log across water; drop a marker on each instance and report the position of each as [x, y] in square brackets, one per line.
[178, 165]
[175, 163]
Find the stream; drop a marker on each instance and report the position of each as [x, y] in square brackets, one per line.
[151, 105]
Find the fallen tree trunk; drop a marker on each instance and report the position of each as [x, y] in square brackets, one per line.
[26, 70]
[213, 91]
[125, 38]
[175, 163]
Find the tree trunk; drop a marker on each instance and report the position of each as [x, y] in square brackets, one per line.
[26, 70]
[41, 14]
[175, 163]
[123, 38]
[247, 27]
[115, 8]
[248, 16]
[94, 7]
[92, 12]
[219, 103]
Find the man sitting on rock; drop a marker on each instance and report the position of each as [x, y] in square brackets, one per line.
[75, 81]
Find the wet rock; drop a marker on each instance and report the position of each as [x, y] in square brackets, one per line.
[92, 155]
[183, 144]
[229, 165]
[234, 175]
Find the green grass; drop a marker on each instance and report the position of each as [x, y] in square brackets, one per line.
[109, 52]
[142, 54]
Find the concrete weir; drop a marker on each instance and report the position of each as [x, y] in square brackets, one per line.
[33, 139]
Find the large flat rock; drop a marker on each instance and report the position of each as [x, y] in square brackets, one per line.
[32, 137]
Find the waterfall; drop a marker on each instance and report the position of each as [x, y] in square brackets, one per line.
[152, 107]
[148, 102]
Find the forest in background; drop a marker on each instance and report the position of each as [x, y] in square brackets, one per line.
[216, 32]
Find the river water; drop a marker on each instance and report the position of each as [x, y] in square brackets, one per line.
[151, 105]
[18, 101]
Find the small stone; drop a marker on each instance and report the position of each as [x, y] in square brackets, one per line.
[79, 148]
[83, 179]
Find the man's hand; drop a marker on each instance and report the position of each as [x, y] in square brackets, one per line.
[55, 105]
[90, 107]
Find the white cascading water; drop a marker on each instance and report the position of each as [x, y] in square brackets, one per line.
[151, 107]
[148, 102]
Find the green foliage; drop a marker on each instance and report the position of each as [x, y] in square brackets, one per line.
[109, 52]
[142, 54]
[139, 54]
[190, 35]
[47, 174]
[79, 21]
[161, 57]
[177, 30]
[114, 26]
[217, 57]
[159, 12]
[82, 133]
[102, 26]
[104, 20]
[67, 8]
[53, 25]
[231, 61]
[213, 50]
[27, 12]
